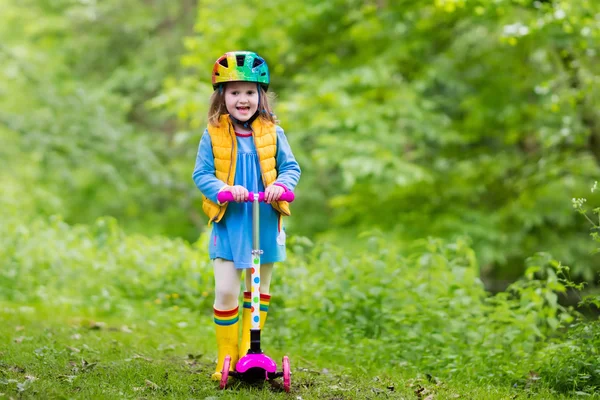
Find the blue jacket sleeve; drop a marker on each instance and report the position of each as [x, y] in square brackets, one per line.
[288, 170]
[204, 171]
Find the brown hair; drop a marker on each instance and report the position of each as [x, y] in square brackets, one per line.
[217, 106]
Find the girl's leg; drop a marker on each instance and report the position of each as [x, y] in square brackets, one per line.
[226, 314]
[266, 271]
[227, 284]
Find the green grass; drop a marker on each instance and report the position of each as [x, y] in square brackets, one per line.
[146, 352]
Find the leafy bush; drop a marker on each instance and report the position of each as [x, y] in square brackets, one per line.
[573, 363]
[424, 311]
[99, 266]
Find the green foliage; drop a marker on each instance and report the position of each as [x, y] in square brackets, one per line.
[78, 75]
[579, 206]
[591, 300]
[424, 310]
[573, 363]
[461, 118]
[97, 267]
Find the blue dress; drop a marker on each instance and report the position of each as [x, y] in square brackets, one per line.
[231, 238]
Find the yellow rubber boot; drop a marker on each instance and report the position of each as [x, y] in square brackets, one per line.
[227, 329]
[265, 300]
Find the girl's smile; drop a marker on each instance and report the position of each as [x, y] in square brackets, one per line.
[243, 109]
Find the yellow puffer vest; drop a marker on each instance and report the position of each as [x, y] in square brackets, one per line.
[224, 145]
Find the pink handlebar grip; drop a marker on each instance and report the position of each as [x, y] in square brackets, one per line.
[224, 197]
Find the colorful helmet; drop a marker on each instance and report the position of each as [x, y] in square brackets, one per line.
[240, 66]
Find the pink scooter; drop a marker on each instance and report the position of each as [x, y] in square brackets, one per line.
[256, 366]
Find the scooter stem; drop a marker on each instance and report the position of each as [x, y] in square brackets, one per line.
[255, 289]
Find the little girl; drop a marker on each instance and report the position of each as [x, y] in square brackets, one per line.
[242, 150]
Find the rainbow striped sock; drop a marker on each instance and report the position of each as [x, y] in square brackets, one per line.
[265, 300]
[227, 317]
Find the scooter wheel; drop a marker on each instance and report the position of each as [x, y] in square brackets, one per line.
[225, 372]
[287, 379]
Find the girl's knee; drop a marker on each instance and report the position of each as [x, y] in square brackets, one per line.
[225, 299]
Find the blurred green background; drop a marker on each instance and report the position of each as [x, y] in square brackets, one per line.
[443, 143]
[455, 119]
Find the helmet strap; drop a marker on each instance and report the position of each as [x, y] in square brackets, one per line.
[245, 124]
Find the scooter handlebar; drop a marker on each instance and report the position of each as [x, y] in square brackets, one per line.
[224, 197]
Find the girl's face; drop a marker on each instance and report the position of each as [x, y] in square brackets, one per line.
[241, 99]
